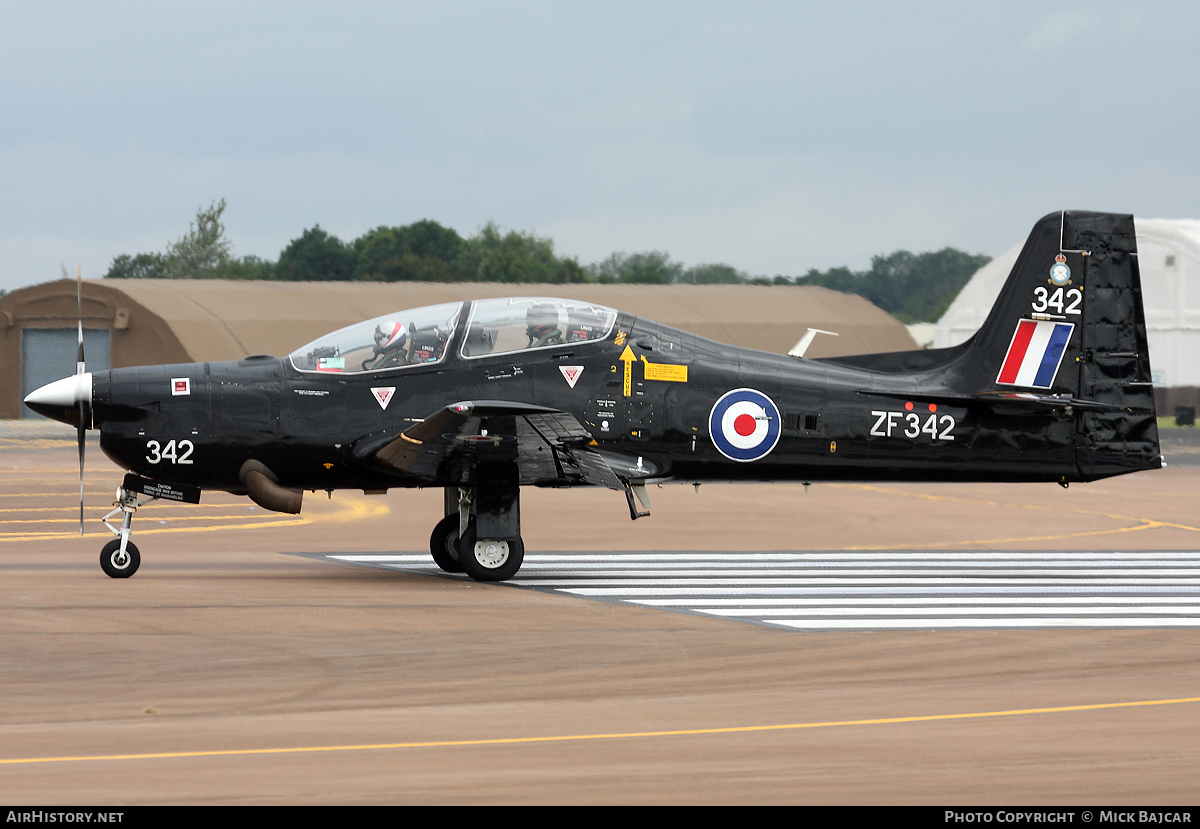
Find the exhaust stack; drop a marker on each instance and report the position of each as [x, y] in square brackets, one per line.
[264, 489]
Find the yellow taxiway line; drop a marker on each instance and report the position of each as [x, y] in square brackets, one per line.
[745, 729]
[1142, 523]
[344, 510]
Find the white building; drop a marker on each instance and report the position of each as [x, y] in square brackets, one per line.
[1169, 259]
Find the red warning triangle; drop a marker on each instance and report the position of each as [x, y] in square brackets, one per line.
[571, 374]
[383, 396]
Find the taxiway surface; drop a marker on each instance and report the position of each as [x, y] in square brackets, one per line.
[230, 670]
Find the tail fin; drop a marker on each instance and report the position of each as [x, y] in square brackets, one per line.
[1069, 329]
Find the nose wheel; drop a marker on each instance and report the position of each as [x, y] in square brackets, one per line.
[118, 563]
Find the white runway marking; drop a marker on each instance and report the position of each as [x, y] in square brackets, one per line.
[902, 590]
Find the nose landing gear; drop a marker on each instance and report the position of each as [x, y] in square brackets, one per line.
[120, 558]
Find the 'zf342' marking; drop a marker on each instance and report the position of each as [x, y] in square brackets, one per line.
[910, 425]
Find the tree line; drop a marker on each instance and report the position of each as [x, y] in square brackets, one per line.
[912, 287]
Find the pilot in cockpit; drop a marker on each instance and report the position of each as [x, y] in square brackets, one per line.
[541, 326]
[390, 340]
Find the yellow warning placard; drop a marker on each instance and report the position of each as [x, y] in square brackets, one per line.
[664, 371]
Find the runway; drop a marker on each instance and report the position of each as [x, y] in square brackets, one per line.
[232, 670]
[911, 589]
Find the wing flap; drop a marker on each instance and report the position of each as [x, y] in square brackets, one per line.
[593, 469]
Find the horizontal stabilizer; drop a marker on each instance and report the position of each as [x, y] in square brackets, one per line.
[999, 401]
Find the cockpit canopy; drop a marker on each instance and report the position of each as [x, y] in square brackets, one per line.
[420, 336]
[504, 326]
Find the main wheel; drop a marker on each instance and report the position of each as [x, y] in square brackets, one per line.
[114, 565]
[490, 559]
[443, 544]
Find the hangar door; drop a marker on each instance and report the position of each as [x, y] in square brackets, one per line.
[48, 354]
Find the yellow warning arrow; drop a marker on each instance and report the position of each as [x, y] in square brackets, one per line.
[628, 359]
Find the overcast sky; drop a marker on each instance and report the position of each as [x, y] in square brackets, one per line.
[775, 137]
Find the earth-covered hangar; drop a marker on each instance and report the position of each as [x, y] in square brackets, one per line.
[151, 321]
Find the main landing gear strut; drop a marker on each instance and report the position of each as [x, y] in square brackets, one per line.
[120, 558]
[481, 533]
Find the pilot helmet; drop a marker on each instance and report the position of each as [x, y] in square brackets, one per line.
[541, 318]
[390, 336]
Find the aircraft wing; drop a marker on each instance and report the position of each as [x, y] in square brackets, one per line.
[549, 446]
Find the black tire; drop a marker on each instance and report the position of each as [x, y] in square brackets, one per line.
[485, 567]
[116, 569]
[443, 544]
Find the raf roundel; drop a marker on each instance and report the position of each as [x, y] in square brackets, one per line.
[744, 425]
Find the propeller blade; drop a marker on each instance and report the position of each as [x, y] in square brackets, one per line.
[82, 439]
[79, 298]
[79, 370]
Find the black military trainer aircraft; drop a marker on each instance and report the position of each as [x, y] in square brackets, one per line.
[484, 397]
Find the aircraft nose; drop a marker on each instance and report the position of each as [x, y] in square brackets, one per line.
[60, 400]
